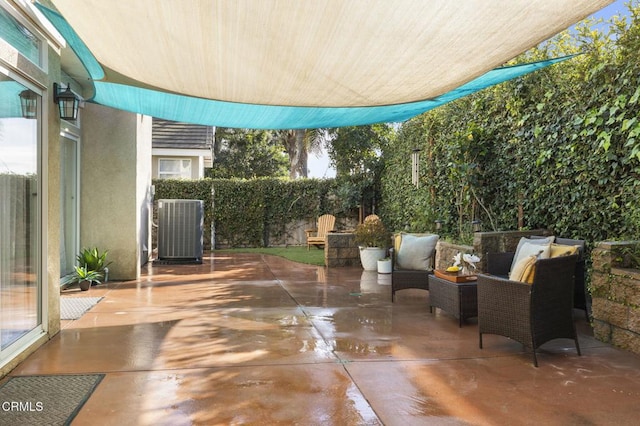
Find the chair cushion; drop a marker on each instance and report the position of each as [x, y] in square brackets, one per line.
[416, 252]
[524, 270]
[527, 247]
[397, 238]
[557, 250]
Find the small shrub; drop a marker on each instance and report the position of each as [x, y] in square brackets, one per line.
[372, 233]
[93, 260]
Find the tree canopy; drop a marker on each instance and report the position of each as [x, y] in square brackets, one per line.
[246, 154]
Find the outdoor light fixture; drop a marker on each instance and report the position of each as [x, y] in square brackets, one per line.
[415, 167]
[67, 102]
[476, 225]
[438, 224]
[28, 104]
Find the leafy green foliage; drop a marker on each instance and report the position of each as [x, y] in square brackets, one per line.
[93, 260]
[356, 153]
[251, 213]
[629, 256]
[356, 150]
[82, 273]
[372, 233]
[246, 154]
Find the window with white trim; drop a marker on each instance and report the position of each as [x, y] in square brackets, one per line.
[174, 168]
[14, 32]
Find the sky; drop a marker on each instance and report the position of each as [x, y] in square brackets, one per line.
[614, 8]
[319, 166]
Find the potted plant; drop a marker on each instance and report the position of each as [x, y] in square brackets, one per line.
[84, 277]
[373, 239]
[93, 260]
[384, 265]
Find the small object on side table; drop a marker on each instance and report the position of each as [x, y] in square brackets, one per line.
[454, 277]
[458, 298]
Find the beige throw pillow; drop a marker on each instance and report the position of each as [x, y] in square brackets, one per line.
[529, 250]
[558, 250]
[524, 270]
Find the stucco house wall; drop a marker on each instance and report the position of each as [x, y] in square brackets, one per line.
[115, 182]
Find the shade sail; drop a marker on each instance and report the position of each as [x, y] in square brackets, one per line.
[303, 64]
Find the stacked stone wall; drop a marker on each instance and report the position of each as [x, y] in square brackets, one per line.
[615, 293]
[341, 250]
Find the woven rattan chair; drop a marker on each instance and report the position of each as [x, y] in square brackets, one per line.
[531, 314]
[409, 278]
[402, 279]
[500, 263]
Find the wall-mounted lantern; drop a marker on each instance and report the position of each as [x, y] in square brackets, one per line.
[415, 167]
[438, 224]
[475, 225]
[28, 104]
[67, 101]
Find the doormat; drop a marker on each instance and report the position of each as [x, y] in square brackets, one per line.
[177, 262]
[74, 307]
[45, 400]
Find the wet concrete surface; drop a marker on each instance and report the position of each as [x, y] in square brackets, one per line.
[254, 339]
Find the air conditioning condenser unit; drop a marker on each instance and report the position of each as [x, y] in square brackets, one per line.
[180, 224]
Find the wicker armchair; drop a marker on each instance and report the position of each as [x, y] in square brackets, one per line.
[500, 263]
[404, 278]
[531, 314]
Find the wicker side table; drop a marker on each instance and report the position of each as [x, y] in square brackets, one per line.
[457, 299]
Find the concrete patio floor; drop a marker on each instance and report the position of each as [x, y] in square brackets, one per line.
[253, 339]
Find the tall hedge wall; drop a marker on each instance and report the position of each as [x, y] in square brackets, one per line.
[255, 212]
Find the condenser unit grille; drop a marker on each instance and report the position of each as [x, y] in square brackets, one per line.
[180, 225]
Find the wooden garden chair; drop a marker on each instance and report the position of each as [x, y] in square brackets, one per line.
[317, 237]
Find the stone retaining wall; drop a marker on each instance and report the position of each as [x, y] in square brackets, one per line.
[341, 250]
[615, 295]
[446, 251]
[500, 242]
[483, 243]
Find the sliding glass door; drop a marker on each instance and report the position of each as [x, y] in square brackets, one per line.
[68, 203]
[20, 283]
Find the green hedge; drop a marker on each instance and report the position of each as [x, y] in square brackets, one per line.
[251, 213]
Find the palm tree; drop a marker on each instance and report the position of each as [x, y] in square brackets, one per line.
[298, 144]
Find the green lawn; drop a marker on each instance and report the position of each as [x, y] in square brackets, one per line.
[297, 254]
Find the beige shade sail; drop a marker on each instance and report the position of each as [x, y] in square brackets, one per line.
[289, 64]
[318, 53]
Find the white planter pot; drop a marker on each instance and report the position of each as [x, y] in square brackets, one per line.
[369, 257]
[384, 266]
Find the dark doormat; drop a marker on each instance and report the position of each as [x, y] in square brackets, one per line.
[45, 400]
[177, 262]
